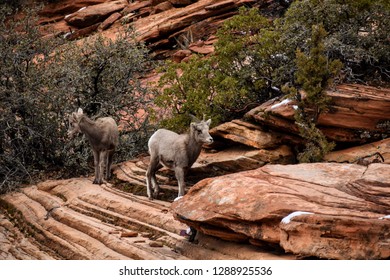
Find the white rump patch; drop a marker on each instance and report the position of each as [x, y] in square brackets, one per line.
[284, 102]
[288, 218]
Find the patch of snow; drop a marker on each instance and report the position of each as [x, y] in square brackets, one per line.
[284, 102]
[67, 35]
[83, 8]
[384, 217]
[288, 218]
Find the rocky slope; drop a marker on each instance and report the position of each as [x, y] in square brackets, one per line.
[172, 28]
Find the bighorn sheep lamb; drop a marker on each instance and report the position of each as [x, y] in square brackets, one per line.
[177, 152]
[103, 136]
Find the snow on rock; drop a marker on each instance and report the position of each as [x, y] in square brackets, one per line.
[288, 218]
[284, 102]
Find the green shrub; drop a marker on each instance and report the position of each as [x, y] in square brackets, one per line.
[43, 80]
[224, 86]
[358, 32]
[256, 58]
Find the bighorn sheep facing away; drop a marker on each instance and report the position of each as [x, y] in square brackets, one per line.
[102, 135]
[177, 152]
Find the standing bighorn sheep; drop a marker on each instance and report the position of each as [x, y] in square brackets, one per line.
[177, 152]
[102, 135]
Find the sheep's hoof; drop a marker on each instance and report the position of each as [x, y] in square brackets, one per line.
[97, 182]
[193, 233]
[178, 198]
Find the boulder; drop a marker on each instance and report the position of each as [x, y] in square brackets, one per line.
[164, 6]
[246, 133]
[83, 32]
[307, 209]
[201, 48]
[90, 15]
[363, 109]
[181, 3]
[110, 21]
[179, 55]
[378, 151]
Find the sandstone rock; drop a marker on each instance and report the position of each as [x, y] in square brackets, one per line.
[164, 6]
[93, 14]
[201, 48]
[369, 153]
[343, 198]
[84, 32]
[85, 222]
[221, 5]
[180, 55]
[363, 109]
[110, 21]
[136, 6]
[156, 2]
[129, 234]
[181, 3]
[247, 134]
[66, 7]
[155, 244]
[337, 237]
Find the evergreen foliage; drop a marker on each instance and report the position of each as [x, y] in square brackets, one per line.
[257, 59]
[43, 80]
[314, 74]
[239, 76]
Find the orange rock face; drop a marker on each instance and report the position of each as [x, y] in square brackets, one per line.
[347, 204]
[363, 110]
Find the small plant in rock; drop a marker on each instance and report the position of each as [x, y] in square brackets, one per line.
[315, 73]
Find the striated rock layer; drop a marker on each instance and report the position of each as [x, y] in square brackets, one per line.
[342, 208]
[75, 219]
[357, 114]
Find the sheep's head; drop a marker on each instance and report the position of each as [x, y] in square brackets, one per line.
[200, 130]
[74, 120]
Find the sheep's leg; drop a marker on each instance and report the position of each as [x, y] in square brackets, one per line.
[180, 174]
[110, 155]
[102, 165]
[96, 159]
[151, 180]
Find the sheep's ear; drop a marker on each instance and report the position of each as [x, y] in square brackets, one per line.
[80, 111]
[208, 122]
[73, 116]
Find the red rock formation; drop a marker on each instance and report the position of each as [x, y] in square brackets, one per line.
[362, 109]
[348, 203]
[90, 15]
[378, 151]
[75, 219]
